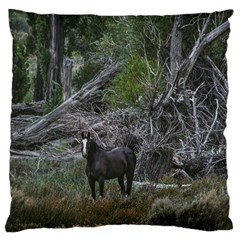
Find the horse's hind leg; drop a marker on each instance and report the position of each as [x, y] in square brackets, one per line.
[129, 183]
[121, 183]
[92, 186]
[101, 186]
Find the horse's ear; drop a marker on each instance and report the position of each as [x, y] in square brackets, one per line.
[82, 135]
[88, 134]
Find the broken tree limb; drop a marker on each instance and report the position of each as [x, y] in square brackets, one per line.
[187, 65]
[27, 109]
[224, 86]
[24, 153]
[213, 123]
[159, 185]
[29, 134]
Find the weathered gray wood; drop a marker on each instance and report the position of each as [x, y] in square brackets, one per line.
[159, 185]
[29, 134]
[187, 65]
[25, 153]
[66, 78]
[56, 55]
[176, 47]
[217, 71]
[177, 79]
[27, 109]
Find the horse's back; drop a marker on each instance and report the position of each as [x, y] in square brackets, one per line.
[126, 154]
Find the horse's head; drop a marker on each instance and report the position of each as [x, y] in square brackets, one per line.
[85, 144]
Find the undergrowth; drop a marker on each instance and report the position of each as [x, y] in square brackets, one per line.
[56, 194]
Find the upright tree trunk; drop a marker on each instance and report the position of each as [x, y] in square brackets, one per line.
[184, 70]
[176, 47]
[38, 86]
[67, 78]
[56, 56]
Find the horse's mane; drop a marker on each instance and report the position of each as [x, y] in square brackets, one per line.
[100, 147]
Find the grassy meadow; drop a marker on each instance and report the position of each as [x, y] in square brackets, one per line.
[55, 194]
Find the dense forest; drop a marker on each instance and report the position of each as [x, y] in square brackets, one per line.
[155, 84]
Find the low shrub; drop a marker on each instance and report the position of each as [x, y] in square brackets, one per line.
[163, 212]
[207, 211]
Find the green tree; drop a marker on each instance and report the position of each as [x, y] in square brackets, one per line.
[81, 35]
[20, 32]
[138, 42]
[20, 84]
[38, 45]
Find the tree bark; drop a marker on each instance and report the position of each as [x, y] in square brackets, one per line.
[67, 78]
[38, 86]
[27, 109]
[187, 65]
[176, 47]
[56, 56]
[30, 134]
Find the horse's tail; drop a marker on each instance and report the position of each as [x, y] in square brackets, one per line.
[131, 159]
[132, 143]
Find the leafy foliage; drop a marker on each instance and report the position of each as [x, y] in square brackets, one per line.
[20, 84]
[126, 36]
[85, 73]
[134, 86]
[56, 101]
[19, 29]
[40, 41]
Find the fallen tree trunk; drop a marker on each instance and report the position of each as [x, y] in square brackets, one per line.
[25, 153]
[30, 134]
[73, 157]
[159, 185]
[27, 109]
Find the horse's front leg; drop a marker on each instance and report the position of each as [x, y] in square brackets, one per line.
[101, 186]
[92, 186]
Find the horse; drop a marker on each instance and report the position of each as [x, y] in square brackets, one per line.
[104, 165]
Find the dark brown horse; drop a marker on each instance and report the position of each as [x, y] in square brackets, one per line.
[103, 165]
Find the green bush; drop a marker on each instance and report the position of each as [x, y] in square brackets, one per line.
[135, 85]
[207, 211]
[85, 73]
[163, 212]
[56, 100]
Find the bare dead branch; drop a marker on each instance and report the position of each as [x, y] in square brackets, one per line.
[187, 65]
[213, 123]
